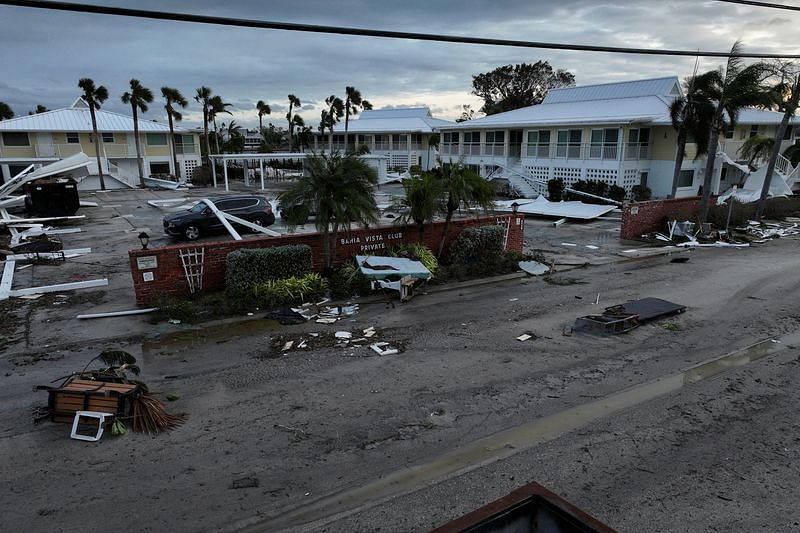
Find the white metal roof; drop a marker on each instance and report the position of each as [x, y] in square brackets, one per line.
[669, 87]
[396, 120]
[78, 119]
[643, 101]
[396, 112]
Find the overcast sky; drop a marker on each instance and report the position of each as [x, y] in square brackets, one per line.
[44, 53]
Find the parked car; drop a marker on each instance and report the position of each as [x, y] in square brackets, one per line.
[200, 220]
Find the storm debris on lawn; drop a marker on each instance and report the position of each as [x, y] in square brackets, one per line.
[283, 345]
[525, 336]
[770, 230]
[384, 348]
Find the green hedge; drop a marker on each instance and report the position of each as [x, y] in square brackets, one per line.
[477, 244]
[245, 268]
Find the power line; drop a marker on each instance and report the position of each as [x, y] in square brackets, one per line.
[761, 4]
[340, 30]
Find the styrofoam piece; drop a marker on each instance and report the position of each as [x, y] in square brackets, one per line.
[343, 335]
[101, 419]
[524, 337]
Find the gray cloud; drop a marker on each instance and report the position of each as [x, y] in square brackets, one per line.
[50, 51]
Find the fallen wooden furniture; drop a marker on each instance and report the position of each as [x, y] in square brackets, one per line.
[90, 395]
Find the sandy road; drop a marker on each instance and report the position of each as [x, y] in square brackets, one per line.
[308, 424]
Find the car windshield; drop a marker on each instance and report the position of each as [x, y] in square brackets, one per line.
[198, 207]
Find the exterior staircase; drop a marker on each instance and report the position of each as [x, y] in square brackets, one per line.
[518, 178]
[789, 173]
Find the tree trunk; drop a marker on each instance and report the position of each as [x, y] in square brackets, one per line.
[773, 158]
[216, 137]
[676, 174]
[421, 230]
[346, 125]
[139, 161]
[174, 148]
[444, 232]
[330, 140]
[290, 127]
[711, 159]
[97, 145]
[326, 248]
[205, 134]
[334, 236]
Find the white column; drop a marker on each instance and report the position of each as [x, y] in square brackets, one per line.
[261, 168]
[246, 168]
[225, 167]
[213, 171]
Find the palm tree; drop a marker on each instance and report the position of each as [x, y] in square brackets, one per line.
[333, 115]
[422, 201]
[138, 97]
[202, 96]
[217, 106]
[234, 140]
[691, 117]
[733, 88]
[94, 96]
[39, 109]
[173, 97]
[340, 190]
[755, 148]
[5, 111]
[263, 109]
[463, 187]
[293, 102]
[785, 96]
[353, 104]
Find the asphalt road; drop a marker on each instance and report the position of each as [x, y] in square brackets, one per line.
[293, 438]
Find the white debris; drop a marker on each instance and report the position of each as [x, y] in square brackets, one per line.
[343, 335]
[524, 337]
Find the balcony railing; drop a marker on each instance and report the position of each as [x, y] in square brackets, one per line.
[493, 149]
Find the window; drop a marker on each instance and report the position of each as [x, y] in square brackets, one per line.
[13, 138]
[472, 137]
[539, 143]
[753, 130]
[416, 138]
[569, 143]
[72, 138]
[686, 178]
[729, 132]
[495, 137]
[448, 137]
[156, 139]
[638, 143]
[108, 137]
[604, 143]
[159, 168]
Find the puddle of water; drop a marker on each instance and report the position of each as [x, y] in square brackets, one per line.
[183, 340]
[507, 443]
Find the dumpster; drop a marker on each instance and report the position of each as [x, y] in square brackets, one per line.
[52, 197]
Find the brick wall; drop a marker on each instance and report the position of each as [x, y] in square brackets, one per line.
[639, 218]
[160, 270]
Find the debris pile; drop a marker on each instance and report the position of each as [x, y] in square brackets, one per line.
[770, 230]
[625, 317]
[686, 234]
[364, 338]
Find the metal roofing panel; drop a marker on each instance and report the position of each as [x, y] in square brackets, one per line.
[608, 91]
[400, 112]
[80, 120]
[391, 125]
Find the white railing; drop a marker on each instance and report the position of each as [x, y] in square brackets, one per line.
[493, 149]
[783, 165]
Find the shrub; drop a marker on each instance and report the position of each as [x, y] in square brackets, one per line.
[348, 281]
[416, 252]
[476, 244]
[173, 308]
[641, 193]
[615, 192]
[292, 290]
[597, 188]
[555, 189]
[247, 267]
[201, 176]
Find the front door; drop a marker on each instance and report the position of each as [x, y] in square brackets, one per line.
[515, 143]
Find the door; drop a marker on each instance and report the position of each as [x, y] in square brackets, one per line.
[44, 145]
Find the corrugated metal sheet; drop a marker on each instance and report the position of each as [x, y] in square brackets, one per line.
[402, 112]
[609, 91]
[80, 120]
[394, 121]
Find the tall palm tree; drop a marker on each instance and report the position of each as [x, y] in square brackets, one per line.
[464, 188]
[202, 96]
[334, 115]
[293, 102]
[263, 109]
[340, 190]
[94, 96]
[422, 201]
[691, 115]
[217, 106]
[353, 104]
[173, 97]
[138, 97]
[755, 148]
[784, 96]
[735, 87]
[5, 111]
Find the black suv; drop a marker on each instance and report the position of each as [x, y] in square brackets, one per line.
[200, 220]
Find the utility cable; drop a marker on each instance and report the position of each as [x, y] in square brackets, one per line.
[761, 4]
[341, 30]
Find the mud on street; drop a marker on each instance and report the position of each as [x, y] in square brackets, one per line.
[271, 435]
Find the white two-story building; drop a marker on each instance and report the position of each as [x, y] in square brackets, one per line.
[618, 133]
[403, 135]
[47, 137]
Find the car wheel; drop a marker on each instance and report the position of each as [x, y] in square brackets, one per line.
[258, 221]
[191, 232]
